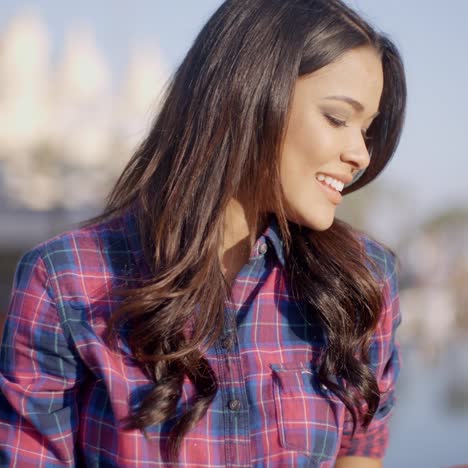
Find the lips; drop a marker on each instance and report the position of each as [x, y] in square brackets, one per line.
[345, 178]
[333, 195]
[334, 183]
[323, 182]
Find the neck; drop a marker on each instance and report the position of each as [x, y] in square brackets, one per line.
[240, 234]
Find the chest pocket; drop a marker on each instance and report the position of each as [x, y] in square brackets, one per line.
[309, 417]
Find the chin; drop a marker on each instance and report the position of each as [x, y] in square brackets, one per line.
[313, 221]
[320, 225]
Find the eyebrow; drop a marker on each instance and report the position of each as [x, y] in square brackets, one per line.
[356, 104]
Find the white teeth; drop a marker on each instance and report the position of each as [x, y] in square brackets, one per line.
[336, 184]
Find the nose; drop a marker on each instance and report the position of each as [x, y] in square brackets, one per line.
[358, 157]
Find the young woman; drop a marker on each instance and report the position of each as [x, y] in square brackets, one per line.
[217, 313]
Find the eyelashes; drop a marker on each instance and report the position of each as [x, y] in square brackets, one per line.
[335, 122]
[341, 123]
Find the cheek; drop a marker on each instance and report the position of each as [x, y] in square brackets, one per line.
[307, 147]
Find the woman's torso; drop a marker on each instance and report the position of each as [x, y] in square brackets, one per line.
[269, 409]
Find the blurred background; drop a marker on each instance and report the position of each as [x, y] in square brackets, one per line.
[79, 85]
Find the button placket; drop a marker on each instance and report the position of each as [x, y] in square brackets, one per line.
[233, 392]
[227, 342]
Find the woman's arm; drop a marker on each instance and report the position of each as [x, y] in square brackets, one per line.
[371, 443]
[38, 375]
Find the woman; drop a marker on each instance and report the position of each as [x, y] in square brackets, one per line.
[217, 313]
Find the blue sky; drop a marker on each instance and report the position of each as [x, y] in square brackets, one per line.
[432, 159]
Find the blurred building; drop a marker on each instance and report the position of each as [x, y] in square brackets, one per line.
[65, 130]
[434, 297]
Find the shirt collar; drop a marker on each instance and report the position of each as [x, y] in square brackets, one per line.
[271, 235]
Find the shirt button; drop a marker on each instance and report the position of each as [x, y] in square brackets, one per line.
[263, 248]
[234, 405]
[226, 343]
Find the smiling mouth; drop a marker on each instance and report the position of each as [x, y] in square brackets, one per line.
[332, 194]
[332, 182]
[328, 186]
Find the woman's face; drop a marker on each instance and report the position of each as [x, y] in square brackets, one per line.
[325, 136]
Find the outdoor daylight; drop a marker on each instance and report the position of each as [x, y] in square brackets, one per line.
[85, 86]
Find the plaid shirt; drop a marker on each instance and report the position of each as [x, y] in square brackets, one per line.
[64, 392]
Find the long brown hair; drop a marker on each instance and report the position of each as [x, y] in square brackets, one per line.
[218, 134]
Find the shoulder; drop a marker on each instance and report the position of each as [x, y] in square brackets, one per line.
[79, 261]
[388, 263]
[382, 261]
[385, 266]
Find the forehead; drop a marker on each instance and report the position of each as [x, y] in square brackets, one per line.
[357, 73]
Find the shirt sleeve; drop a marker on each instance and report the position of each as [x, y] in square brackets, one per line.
[38, 375]
[385, 361]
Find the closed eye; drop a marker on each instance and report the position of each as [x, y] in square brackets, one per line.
[341, 123]
[335, 122]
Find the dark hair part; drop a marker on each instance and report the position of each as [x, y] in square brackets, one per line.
[218, 134]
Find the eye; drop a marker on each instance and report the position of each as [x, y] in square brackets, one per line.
[335, 122]
[341, 123]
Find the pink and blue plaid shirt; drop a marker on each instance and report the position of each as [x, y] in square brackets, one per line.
[64, 391]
